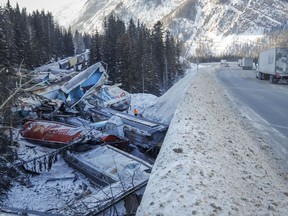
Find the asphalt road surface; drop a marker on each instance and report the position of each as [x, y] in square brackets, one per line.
[269, 101]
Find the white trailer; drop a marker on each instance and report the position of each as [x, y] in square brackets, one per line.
[273, 64]
[239, 62]
[247, 63]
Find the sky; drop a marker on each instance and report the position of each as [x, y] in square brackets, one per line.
[31, 5]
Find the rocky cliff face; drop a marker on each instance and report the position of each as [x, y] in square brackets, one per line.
[213, 23]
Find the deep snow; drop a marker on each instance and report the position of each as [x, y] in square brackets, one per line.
[45, 192]
[209, 164]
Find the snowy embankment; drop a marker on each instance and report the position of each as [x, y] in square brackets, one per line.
[165, 106]
[210, 164]
[162, 109]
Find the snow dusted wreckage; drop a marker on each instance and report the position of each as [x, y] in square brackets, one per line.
[82, 153]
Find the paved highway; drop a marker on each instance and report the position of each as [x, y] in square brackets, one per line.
[269, 101]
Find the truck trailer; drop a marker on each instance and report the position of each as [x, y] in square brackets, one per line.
[240, 62]
[247, 63]
[273, 64]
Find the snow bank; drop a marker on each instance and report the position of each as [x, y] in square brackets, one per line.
[141, 101]
[165, 106]
[209, 164]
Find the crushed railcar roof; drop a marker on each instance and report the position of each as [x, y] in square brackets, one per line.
[82, 77]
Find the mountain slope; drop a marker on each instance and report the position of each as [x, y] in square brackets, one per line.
[193, 21]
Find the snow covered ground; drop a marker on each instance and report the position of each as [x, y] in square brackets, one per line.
[210, 163]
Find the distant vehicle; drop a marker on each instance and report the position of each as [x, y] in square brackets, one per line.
[226, 64]
[239, 62]
[273, 64]
[223, 61]
[247, 63]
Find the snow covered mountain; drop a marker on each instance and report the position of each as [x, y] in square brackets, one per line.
[212, 23]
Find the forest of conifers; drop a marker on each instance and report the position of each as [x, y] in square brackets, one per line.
[142, 60]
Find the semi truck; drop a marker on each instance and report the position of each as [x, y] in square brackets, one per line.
[247, 63]
[273, 64]
[224, 63]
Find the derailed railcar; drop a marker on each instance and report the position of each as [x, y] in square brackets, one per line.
[111, 97]
[80, 59]
[64, 64]
[141, 132]
[120, 175]
[83, 84]
[72, 62]
[86, 56]
[57, 134]
[51, 133]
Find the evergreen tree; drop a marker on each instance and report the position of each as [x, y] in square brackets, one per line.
[27, 53]
[122, 62]
[113, 30]
[135, 57]
[180, 71]
[144, 61]
[3, 41]
[160, 76]
[140, 45]
[68, 43]
[23, 52]
[96, 49]
[49, 39]
[170, 59]
[9, 34]
[34, 38]
[79, 43]
[59, 42]
[17, 35]
[87, 40]
[126, 70]
[8, 174]
[39, 55]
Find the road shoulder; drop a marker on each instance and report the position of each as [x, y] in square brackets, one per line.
[209, 164]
